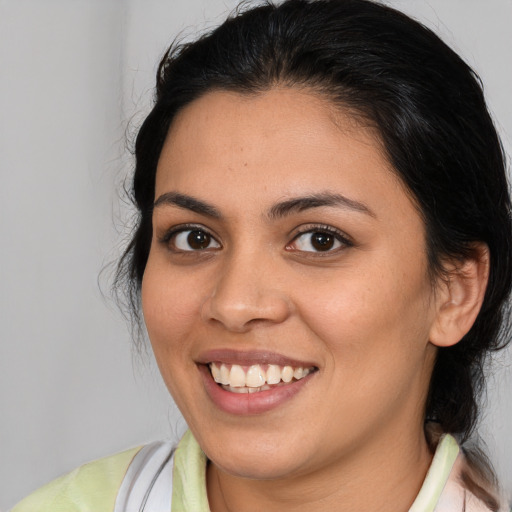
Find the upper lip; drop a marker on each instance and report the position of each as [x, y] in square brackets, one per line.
[250, 357]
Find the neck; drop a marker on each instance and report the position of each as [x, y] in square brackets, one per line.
[386, 477]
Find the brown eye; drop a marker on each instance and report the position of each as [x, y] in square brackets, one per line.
[318, 241]
[198, 239]
[322, 241]
[194, 240]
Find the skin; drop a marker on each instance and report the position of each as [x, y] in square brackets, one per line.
[364, 312]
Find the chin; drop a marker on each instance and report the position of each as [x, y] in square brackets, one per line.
[261, 457]
[258, 468]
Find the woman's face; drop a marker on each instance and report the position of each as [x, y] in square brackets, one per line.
[284, 248]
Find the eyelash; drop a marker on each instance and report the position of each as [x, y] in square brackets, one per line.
[311, 229]
[339, 236]
[169, 236]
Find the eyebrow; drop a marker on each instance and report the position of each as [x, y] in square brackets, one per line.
[299, 204]
[188, 203]
[277, 211]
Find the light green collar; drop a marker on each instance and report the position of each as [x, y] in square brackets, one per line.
[437, 475]
[189, 476]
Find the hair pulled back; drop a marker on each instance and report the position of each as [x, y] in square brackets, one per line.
[426, 104]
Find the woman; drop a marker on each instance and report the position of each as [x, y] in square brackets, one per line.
[322, 260]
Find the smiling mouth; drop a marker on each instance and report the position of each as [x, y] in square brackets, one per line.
[256, 378]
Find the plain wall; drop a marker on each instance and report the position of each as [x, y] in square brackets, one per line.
[74, 76]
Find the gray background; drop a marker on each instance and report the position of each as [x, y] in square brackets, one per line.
[74, 76]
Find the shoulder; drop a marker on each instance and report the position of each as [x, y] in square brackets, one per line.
[458, 495]
[91, 487]
[148, 483]
[444, 490]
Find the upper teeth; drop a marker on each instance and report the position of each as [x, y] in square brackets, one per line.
[256, 375]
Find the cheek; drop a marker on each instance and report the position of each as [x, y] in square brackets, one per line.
[170, 315]
[370, 316]
[170, 308]
[376, 336]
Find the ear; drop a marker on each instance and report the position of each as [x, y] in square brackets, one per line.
[459, 296]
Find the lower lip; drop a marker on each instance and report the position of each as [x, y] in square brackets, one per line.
[250, 403]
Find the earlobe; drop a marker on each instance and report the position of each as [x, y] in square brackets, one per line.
[459, 297]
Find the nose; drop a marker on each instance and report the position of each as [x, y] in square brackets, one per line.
[248, 292]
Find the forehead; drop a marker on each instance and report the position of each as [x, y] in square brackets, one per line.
[278, 143]
[284, 114]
